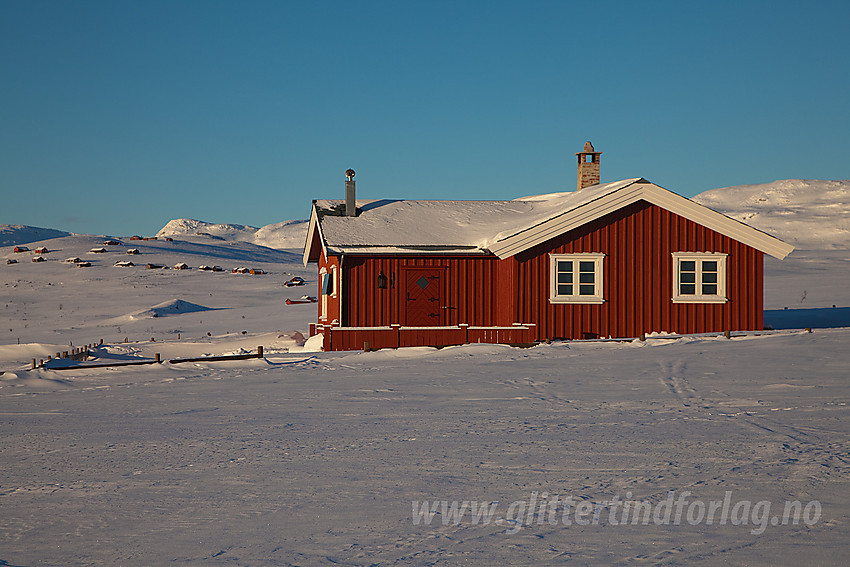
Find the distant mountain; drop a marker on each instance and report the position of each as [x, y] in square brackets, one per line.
[287, 234]
[807, 213]
[14, 234]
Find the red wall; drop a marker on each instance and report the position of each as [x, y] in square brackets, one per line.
[638, 282]
[638, 241]
[469, 288]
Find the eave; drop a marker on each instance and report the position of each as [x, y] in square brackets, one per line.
[641, 190]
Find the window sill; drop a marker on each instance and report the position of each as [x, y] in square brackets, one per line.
[577, 300]
[700, 300]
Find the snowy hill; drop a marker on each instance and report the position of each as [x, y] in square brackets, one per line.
[14, 234]
[60, 301]
[287, 234]
[810, 214]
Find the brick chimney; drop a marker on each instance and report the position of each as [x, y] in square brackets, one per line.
[588, 167]
[350, 201]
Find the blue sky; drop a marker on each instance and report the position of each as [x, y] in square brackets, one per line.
[117, 116]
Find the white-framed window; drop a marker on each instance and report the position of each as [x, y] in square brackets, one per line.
[576, 278]
[699, 277]
[334, 280]
[324, 289]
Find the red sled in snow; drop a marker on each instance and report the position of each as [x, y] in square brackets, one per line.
[304, 299]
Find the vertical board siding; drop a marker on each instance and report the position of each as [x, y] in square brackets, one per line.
[473, 290]
[638, 241]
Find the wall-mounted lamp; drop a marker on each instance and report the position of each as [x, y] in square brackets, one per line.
[382, 280]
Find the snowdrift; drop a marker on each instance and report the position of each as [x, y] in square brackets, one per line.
[167, 308]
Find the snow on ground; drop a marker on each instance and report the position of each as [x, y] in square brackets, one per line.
[60, 305]
[316, 459]
[310, 458]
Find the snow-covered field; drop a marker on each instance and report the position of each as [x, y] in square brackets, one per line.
[310, 458]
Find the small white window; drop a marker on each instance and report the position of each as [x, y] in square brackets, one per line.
[575, 278]
[699, 277]
[324, 283]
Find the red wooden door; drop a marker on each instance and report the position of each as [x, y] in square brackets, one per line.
[423, 305]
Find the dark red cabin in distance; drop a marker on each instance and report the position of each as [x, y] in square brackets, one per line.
[607, 260]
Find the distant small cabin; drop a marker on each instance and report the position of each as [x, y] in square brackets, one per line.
[83, 264]
[206, 268]
[169, 239]
[132, 251]
[11, 261]
[97, 251]
[135, 237]
[149, 238]
[19, 249]
[112, 243]
[156, 267]
[39, 259]
[73, 260]
[181, 266]
[256, 272]
[41, 250]
[124, 264]
[241, 270]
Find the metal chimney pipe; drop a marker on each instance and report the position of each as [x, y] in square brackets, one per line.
[350, 200]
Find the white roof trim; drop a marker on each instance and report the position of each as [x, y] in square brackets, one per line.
[627, 195]
[312, 227]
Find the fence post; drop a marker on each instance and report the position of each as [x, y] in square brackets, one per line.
[727, 333]
[158, 359]
[259, 352]
[33, 364]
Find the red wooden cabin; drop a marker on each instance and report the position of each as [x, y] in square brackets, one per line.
[609, 260]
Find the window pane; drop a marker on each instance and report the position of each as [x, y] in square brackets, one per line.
[709, 277]
[565, 266]
[688, 289]
[688, 278]
[565, 289]
[688, 266]
[584, 289]
[586, 277]
[565, 277]
[709, 289]
[587, 266]
[709, 265]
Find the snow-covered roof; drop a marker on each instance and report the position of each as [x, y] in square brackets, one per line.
[503, 228]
